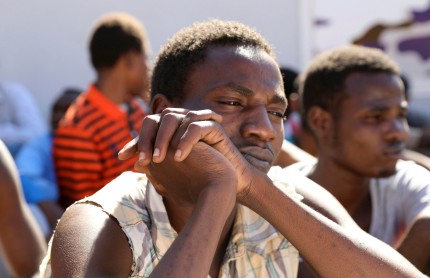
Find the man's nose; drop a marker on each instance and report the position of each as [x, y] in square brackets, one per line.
[398, 130]
[257, 123]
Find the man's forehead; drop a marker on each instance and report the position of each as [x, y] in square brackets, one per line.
[242, 68]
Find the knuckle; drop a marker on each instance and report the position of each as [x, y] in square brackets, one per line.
[200, 114]
[151, 119]
[194, 125]
[170, 117]
[207, 112]
[167, 110]
[192, 115]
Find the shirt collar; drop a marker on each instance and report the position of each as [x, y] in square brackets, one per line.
[109, 108]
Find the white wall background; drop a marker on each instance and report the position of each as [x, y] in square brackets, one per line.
[43, 43]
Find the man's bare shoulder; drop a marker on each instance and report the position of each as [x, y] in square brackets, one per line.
[89, 242]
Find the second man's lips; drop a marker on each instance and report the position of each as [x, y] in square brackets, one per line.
[396, 149]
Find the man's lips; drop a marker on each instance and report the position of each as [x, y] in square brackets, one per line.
[264, 154]
[261, 158]
[396, 151]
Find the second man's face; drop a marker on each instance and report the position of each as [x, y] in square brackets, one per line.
[243, 85]
[371, 130]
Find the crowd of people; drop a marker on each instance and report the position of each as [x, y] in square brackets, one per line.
[215, 161]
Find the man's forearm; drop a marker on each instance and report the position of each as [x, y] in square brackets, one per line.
[193, 250]
[330, 249]
[416, 246]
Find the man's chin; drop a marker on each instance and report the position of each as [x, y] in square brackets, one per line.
[385, 173]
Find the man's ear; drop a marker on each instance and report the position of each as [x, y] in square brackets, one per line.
[319, 120]
[159, 103]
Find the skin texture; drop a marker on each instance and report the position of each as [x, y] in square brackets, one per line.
[240, 136]
[21, 242]
[365, 141]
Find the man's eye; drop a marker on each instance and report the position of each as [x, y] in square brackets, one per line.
[232, 103]
[374, 118]
[277, 114]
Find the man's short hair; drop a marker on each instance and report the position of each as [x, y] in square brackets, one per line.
[114, 35]
[189, 46]
[322, 84]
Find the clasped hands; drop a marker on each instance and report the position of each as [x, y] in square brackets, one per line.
[183, 151]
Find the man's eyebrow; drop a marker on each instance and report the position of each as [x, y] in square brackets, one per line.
[279, 99]
[247, 93]
[240, 89]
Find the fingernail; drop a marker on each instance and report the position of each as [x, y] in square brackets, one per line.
[141, 156]
[178, 154]
[156, 152]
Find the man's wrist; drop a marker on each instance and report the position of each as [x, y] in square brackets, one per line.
[219, 194]
[253, 191]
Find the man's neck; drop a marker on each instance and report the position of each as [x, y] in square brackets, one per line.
[111, 86]
[351, 189]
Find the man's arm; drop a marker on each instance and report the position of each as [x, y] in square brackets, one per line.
[415, 246]
[89, 243]
[319, 199]
[21, 240]
[196, 249]
[79, 246]
[209, 190]
[418, 158]
[330, 249]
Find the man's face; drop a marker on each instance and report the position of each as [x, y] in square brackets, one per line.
[138, 75]
[243, 85]
[370, 132]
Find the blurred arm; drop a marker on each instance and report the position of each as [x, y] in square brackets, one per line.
[21, 240]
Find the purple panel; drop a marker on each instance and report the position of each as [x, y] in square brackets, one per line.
[421, 45]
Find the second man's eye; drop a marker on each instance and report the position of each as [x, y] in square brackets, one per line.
[277, 114]
[231, 102]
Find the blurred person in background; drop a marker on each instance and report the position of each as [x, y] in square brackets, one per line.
[419, 125]
[20, 118]
[109, 114]
[37, 172]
